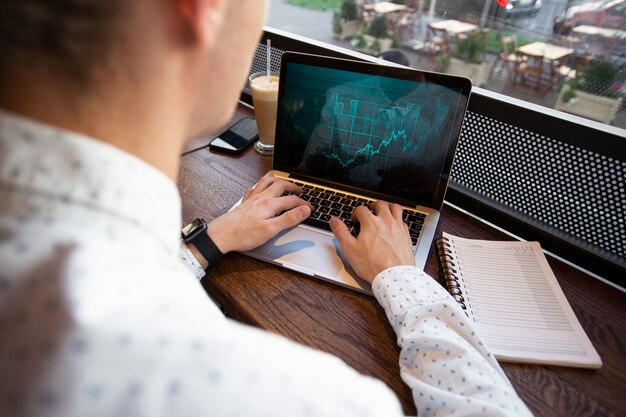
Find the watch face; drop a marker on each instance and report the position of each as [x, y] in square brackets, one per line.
[193, 228]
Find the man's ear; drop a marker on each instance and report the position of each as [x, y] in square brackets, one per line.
[202, 19]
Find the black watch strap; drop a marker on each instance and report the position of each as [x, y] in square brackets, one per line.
[195, 233]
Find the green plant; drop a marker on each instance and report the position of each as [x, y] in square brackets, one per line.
[494, 43]
[349, 10]
[379, 28]
[470, 49]
[570, 93]
[337, 22]
[358, 41]
[442, 63]
[317, 4]
[599, 79]
[375, 48]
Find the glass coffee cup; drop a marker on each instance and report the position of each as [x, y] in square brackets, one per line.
[265, 101]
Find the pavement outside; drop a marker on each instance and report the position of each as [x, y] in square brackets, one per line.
[317, 24]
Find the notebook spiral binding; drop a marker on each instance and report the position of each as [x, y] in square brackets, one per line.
[448, 271]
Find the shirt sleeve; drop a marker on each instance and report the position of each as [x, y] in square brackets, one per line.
[443, 359]
[190, 261]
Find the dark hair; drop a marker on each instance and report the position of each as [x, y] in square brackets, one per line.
[69, 37]
[394, 55]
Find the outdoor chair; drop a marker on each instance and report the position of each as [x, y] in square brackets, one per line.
[528, 71]
[563, 70]
[484, 35]
[405, 23]
[437, 40]
[367, 15]
[506, 60]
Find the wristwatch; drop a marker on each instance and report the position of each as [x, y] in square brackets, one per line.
[195, 233]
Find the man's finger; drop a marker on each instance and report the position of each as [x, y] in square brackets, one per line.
[360, 214]
[380, 207]
[396, 210]
[288, 202]
[277, 188]
[264, 183]
[247, 194]
[341, 232]
[290, 218]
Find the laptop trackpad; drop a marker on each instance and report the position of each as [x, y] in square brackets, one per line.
[303, 247]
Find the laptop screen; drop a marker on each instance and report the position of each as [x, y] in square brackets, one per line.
[383, 131]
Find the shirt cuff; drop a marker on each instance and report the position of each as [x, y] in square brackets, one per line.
[190, 261]
[401, 287]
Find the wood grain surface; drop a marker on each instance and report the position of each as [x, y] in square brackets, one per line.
[353, 326]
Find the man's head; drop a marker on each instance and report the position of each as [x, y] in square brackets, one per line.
[131, 54]
[67, 37]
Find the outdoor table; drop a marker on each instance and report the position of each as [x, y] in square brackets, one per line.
[586, 30]
[549, 52]
[391, 12]
[438, 33]
[552, 54]
[454, 27]
[385, 7]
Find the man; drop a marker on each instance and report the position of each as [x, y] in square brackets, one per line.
[98, 314]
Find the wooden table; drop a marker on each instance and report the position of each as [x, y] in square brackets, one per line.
[548, 51]
[587, 30]
[453, 27]
[438, 33]
[385, 7]
[543, 52]
[391, 12]
[353, 326]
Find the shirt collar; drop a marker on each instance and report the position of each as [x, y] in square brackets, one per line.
[72, 168]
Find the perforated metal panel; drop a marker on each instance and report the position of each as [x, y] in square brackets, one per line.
[259, 62]
[578, 192]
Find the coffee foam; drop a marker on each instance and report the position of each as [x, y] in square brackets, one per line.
[263, 82]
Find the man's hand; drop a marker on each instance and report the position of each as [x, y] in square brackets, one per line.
[253, 222]
[383, 241]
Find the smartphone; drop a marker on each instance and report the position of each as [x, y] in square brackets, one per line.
[237, 137]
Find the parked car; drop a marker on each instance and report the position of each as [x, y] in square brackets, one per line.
[607, 14]
[521, 9]
[472, 10]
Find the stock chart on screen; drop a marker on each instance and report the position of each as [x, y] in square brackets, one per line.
[361, 129]
[365, 129]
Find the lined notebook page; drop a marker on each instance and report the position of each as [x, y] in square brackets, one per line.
[517, 304]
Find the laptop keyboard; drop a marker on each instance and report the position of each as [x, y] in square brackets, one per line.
[327, 203]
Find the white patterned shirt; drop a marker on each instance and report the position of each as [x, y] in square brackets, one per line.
[100, 316]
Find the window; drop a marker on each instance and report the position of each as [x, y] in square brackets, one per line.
[564, 54]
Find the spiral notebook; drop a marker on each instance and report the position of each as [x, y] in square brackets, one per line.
[515, 301]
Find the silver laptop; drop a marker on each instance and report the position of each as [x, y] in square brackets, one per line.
[350, 133]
